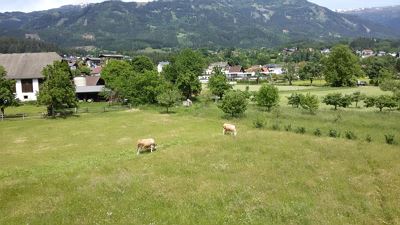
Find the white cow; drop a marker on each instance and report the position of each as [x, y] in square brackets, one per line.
[229, 128]
[146, 144]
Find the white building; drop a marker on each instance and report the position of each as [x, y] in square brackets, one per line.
[26, 70]
[161, 66]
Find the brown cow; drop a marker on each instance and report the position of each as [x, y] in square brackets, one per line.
[229, 128]
[146, 144]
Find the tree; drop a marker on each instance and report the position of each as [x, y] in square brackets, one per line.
[85, 70]
[290, 72]
[357, 97]
[397, 66]
[309, 102]
[184, 71]
[141, 64]
[57, 92]
[218, 84]
[116, 75]
[234, 103]
[7, 97]
[310, 71]
[337, 100]
[294, 100]
[169, 96]
[381, 102]
[341, 67]
[127, 84]
[267, 96]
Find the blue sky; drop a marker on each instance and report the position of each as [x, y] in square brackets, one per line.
[34, 5]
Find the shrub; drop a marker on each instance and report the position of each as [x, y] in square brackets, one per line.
[259, 123]
[389, 139]
[381, 102]
[350, 135]
[337, 100]
[368, 138]
[318, 132]
[276, 127]
[268, 96]
[234, 103]
[294, 100]
[288, 127]
[310, 103]
[334, 133]
[301, 130]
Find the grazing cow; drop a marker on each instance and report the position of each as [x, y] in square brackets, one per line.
[229, 128]
[146, 144]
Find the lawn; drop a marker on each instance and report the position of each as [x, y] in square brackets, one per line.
[84, 170]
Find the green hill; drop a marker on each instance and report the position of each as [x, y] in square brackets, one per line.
[181, 23]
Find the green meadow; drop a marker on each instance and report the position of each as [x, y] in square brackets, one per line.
[84, 169]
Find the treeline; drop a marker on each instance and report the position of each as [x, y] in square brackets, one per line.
[16, 45]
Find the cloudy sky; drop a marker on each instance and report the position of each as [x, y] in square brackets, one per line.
[34, 5]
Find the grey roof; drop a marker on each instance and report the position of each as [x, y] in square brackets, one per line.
[89, 89]
[27, 65]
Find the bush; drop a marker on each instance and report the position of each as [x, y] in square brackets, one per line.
[337, 100]
[318, 132]
[259, 123]
[234, 103]
[381, 102]
[350, 135]
[390, 139]
[267, 96]
[288, 127]
[301, 130]
[294, 100]
[276, 127]
[310, 103]
[368, 138]
[334, 133]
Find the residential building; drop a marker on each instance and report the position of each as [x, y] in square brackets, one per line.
[26, 69]
[161, 65]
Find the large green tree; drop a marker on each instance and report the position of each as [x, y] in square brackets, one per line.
[234, 103]
[290, 72]
[57, 92]
[131, 85]
[268, 96]
[7, 97]
[184, 70]
[169, 96]
[218, 83]
[379, 68]
[310, 71]
[341, 67]
[142, 63]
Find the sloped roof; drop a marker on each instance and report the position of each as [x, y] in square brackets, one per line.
[27, 65]
[96, 70]
[92, 80]
[236, 69]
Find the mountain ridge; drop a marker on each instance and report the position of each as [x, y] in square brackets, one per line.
[188, 23]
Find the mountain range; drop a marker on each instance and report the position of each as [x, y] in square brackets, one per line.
[117, 25]
[387, 16]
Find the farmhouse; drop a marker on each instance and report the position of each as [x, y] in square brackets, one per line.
[26, 70]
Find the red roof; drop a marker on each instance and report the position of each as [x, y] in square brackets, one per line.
[97, 70]
[236, 69]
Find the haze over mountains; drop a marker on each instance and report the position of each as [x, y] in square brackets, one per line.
[387, 16]
[117, 25]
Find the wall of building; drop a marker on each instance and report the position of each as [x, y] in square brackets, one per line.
[31, 96]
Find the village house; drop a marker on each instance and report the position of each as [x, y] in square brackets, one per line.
[367, 53]
[26, 70]
[161, 65]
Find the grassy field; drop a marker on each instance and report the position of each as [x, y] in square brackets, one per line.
[84, 170]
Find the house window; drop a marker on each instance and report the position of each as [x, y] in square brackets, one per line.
[27, 85]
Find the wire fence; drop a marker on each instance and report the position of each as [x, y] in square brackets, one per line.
[65, 112]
